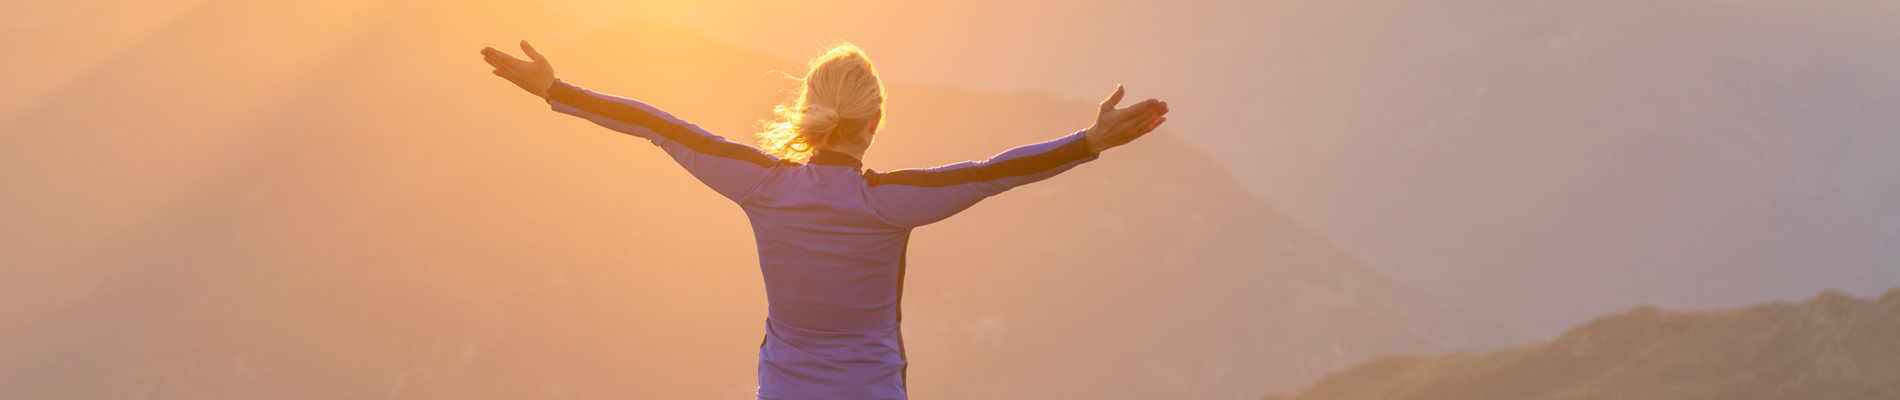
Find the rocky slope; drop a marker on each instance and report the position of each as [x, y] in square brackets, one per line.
[1831, 347]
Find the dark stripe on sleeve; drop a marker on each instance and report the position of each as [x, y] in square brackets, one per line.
[903, 374]
[570, 95]
[1026, 165]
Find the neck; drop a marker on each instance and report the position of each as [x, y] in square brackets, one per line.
[855, 150]
[828, 157]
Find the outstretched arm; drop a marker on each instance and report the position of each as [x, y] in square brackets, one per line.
[917, 197]
[731, 169]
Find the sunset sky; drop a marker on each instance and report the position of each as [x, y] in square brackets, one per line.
[339, 189]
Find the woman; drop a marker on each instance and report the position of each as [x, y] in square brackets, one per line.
[831, 235]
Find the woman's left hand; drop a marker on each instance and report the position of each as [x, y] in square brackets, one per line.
[1118, 126]
[533, 76]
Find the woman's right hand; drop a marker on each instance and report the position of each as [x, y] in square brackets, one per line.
[1118, 126]
[533, 76]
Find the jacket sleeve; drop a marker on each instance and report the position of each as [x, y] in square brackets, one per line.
[732, 169]
[917, 197]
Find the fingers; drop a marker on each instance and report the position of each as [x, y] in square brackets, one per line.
[499, 61]
[499, 58]
[1136, 131]
[513, 69]
[1143, 106]
[503, 69]
[1152, 125]
[1113, 99]
[1144, 122]
[499, 66]
[539, 60]
[492, 61]
[1157, 108]
[1137, 114]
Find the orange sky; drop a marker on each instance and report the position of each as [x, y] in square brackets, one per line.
[225, 195]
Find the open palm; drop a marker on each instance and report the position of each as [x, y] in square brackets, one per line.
[533, 75]
[1118, 126]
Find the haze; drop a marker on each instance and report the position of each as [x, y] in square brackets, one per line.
[210, 198]
[1543, 162]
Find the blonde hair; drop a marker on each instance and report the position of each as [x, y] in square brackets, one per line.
[841, 92]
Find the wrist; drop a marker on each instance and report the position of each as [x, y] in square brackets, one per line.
[547, 91]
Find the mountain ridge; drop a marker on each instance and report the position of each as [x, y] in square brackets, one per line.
[1833, 346]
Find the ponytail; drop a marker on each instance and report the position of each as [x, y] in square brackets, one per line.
[840, 94]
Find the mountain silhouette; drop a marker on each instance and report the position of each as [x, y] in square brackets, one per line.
[1831, 347]
[288, 200]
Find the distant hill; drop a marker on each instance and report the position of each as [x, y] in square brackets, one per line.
[1548, 162]
[335, 200]
[1831, 347]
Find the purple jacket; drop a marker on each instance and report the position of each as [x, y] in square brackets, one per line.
[831, 238]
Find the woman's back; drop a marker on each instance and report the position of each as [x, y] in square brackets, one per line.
[833, 275]
[832, 240]
[831, 263]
